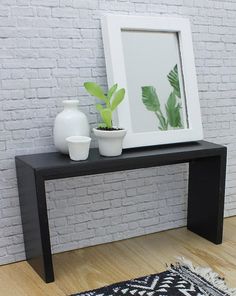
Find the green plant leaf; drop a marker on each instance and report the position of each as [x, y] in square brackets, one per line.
[95, 90]
[173, 111]
[111, 91]
[118, 98]
[99, 107]
[106, 115]
[173, 78]
[102, 125]
[150, 98]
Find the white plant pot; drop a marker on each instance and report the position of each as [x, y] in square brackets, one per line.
[70, 122]
[110, 142]
[78, 147]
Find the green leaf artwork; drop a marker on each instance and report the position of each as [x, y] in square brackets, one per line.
[173, 78]
[113, 98]
[172, 117]
[152, 103]
[173, 111]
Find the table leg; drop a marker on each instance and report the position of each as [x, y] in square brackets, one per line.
[35, 221]
[206, 197]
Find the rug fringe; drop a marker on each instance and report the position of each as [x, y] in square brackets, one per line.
[209, 275]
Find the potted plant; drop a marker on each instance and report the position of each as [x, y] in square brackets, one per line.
[109, 137]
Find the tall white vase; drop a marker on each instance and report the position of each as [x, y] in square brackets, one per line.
[70, 122]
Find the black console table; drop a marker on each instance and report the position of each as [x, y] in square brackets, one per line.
[207, 167]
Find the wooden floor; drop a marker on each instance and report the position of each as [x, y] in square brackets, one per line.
[101, 265]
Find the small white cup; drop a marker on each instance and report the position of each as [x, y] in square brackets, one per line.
[78, 147]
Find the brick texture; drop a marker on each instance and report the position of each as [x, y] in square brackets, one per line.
[48, 48]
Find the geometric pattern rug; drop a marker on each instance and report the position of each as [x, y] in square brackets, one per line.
[178, 280]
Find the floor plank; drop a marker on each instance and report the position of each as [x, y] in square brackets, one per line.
[94, 267]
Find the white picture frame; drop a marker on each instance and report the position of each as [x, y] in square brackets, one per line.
[118, 40]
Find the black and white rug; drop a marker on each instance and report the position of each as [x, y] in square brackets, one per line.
[179, 280]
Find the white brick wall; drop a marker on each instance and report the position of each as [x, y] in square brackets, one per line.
[48, 48]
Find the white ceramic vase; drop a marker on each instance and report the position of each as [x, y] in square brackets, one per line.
[110, 142]
[70, 122]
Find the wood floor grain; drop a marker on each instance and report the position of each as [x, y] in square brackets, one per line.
[94, 267]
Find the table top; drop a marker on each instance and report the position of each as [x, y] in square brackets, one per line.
[54, 165]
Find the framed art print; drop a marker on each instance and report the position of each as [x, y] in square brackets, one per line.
[152, 58]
